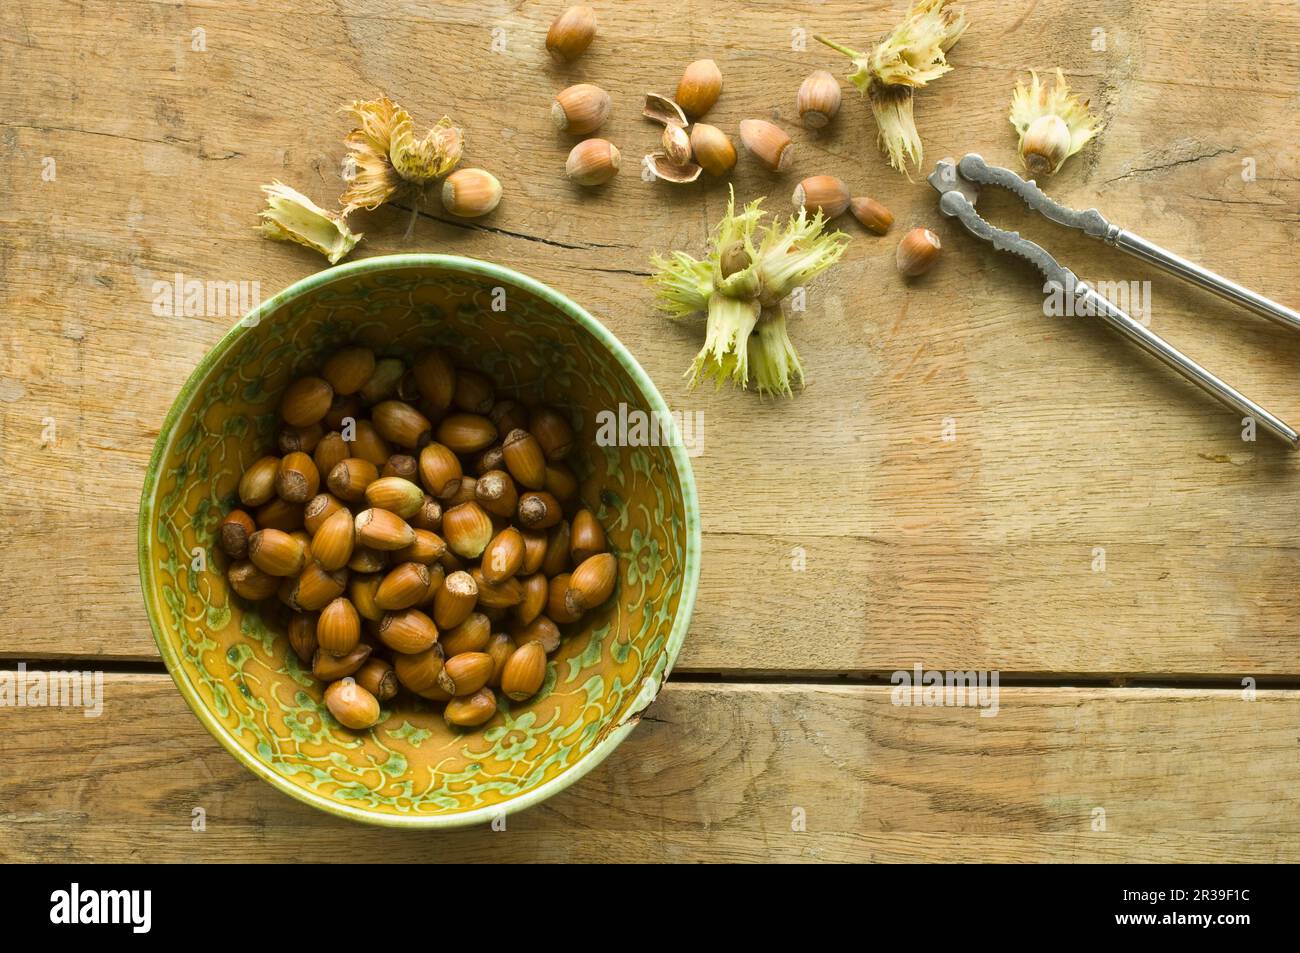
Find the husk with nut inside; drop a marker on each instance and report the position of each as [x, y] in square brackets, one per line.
[1053, 123]
[387, 159]
[912, 55]
[749, 270]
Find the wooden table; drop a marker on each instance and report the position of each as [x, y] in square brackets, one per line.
[1097, 532]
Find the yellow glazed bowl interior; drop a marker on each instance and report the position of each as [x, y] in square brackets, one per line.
[231, 659]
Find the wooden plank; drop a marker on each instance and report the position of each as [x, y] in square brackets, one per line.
[859, 606]
[977, 551]
[1179, 775]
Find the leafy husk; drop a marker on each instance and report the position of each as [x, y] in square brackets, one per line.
[290, 216]
[912, 55]
[386, 157]
[1038, 99]
[750, 268]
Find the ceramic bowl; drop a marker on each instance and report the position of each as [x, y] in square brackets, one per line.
[231, 659]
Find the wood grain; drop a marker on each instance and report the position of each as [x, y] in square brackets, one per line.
[977, 549]
[1093, 516]
[1179, 774]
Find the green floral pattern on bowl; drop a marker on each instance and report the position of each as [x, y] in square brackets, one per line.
[234, 667]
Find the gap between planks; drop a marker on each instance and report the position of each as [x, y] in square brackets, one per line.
[759, 678]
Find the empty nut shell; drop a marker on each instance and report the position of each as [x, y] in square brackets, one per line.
[663, 110]
[666, 169]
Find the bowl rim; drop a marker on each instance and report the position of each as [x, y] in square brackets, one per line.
[166, 433]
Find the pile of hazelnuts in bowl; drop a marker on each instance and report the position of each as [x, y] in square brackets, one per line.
[435, 559]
